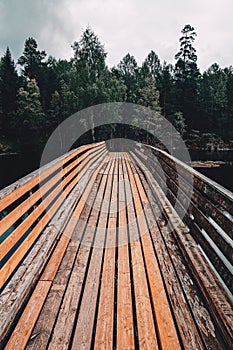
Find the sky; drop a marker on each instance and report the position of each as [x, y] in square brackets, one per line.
[123, 26]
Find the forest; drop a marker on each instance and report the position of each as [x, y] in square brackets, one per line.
[39, 91]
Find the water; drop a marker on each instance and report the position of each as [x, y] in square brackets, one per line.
[226, 156]
[223, 174]
[13, 167]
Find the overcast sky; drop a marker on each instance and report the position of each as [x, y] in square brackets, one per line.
[134, 26]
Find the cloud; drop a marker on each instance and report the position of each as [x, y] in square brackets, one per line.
[124, 26]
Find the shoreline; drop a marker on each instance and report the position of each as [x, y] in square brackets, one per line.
[207, 163]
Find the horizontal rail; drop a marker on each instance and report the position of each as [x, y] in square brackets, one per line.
[211, 262]
[23, 223]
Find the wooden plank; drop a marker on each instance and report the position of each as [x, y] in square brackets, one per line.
[20, 191]
[12, 239]
[16, 292]
[125, 326]
[85, 322]
[22, 332]
[105, 319]
[213, 190]
[43, 329]
[177, 285]
[210, 288]
[41, 333]
[55, 260]
[66, 317]
[204, 203]
[201, 222]
[165, 324]
[15, 214]
[147, 338]
[13, 261]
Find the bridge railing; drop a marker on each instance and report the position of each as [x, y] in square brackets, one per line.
[34, 213]
[209, 227]
[210, 212]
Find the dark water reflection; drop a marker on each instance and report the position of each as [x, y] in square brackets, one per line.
[13, 167]
[223, 174]
[226, 156]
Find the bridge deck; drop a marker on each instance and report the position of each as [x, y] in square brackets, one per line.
[117, 277]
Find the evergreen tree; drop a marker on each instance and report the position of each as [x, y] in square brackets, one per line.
[151, 67]
[179, 123]
[127, 71]
[89, 68]
[54, 112]
[31, 60]
[149, 97]
[8, 90]
[213, 100]
[186, 76]
[167, 90]
[35, 67]
[30, 119]
[229, 95]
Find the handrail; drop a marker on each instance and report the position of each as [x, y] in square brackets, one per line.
[36, 205]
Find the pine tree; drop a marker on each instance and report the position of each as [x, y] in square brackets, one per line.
[8, 90]
[151, 67]
[127, 71]
[31, 60]
[186, 76]
[30, 119]
[149, 97]
[89, 68]
[166, 87]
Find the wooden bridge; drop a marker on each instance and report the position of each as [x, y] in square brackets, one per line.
[94, 255]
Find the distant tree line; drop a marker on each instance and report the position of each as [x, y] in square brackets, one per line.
[39, 92]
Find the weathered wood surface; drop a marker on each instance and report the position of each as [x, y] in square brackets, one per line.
[17, 290]
[117, 268]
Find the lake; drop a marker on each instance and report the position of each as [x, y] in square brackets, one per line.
[14, 167]
[223, 174]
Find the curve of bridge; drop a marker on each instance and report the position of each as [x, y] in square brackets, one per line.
[94, 256]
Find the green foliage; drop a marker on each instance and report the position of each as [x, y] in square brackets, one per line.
[149, 95]
[186, 76]
[187, 52]
[50, 90]
[9, 83]
[30, 118]
[179, 123]
[128, 72]
[32, 59]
